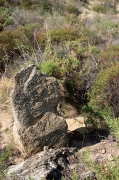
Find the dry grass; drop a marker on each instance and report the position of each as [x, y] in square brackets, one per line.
[5, 88]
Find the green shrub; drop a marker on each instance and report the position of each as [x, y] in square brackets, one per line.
[68, 62]
[72, 9]
[12, 43]
[50, 67]
[100, 8]
[25, 16]
[107, 27]
[56, 36]
[4, 3]
[5, 18]
[45, 5]
[72, 19]
[109, 57]
[90, 36]
[106, 6]
[3, 163]
[104, 96]
[7, 43]
[24, 35]
[108, 24]
[113, 124]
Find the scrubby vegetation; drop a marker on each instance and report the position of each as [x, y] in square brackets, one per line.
[81, 56]
[3, 163]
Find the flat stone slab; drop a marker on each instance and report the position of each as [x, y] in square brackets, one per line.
[76, 124]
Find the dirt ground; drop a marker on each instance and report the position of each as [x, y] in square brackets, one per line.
[7, 139]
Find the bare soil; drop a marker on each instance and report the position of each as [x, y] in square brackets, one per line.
[7, 139]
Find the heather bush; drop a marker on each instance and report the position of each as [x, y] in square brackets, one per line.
[44, 5]
[5, 16]
[3, 163]
[24, 16]
[72, 19]
[100, 8]
[56, 36]
[104, 95]
[7, 43]
[106, 29]
[71, 9]
[106, 6]
[12, 43]
[109, 57]
[25, 34]
[68, 62]
[106, 26]
[54, 20]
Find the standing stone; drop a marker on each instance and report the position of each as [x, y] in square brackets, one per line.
[34, 101]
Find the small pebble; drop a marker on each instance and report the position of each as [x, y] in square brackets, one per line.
[110, 157]
[45, 148]
[103, 151]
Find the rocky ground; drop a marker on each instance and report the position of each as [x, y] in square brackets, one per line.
[101, 146]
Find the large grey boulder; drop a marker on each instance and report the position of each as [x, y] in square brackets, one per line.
[34, 101]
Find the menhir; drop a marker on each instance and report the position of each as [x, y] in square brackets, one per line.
[34, 101]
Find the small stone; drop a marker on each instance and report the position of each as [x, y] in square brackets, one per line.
[45, 148]
[110, 157]
[72, 166]
[103, 151]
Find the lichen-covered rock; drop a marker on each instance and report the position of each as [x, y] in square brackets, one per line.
[34, 101]
[51, 164]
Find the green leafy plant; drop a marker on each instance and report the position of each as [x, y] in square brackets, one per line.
[49, 67]
[113, 124]
[3, 161]
[104, 94]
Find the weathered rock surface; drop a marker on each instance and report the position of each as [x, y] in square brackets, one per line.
[34, 102]
[50, 164]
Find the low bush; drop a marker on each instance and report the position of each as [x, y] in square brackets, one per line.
[109, 57]
[72, 19]
[24, 16]
[5, 16]
[7, 44]
[3, 163]
[68, 62]
[71, 9]
[12, 43]
[106, 6]
[100, 8]
[56, 36]
[5, 88]
[104, 96]
[45, 5]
